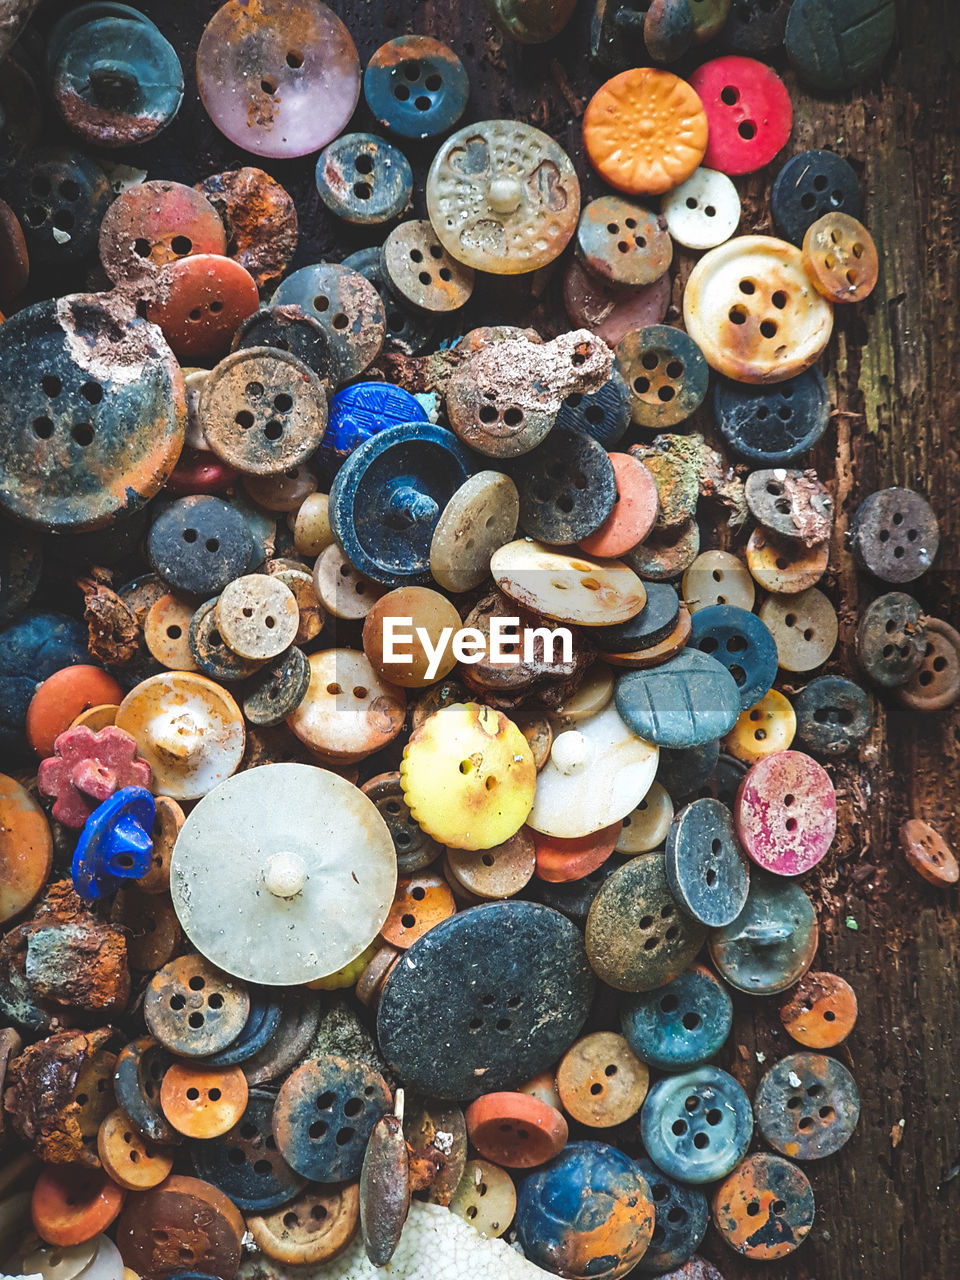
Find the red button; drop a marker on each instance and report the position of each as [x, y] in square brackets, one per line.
[633, 514]
[205, 299]
[200, 472]
[749, 111]
[61, 698]
[559, 861]
[72, 1203]
[515, 1129]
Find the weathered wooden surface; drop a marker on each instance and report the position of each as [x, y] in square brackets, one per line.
[889, 1204]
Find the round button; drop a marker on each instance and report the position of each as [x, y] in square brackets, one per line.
[663, 650]
[645, 827]
[756, 27]
[289, 328]
[346, 306]
[420, 616]
[666, 374]
[416, 87]
[687, 701]
[697, 1126]
[841, 258]
[154, 223]
[480, 517]
[807, 1106]
[895, 535]
[260, 218]
[717, 577]
[139, 1069]
[199, 544]
[612, 313]
[786, 813]
[244, 1162]
[257, 616]
[750, 307]
[72, 1203]
[515, 1129]
[785, 568]
[682, 1023]
[364, 180]
[645, 131]
[54, 1262]
[834, 716]
[60, 699]
[560, 860]
[414, 848]
[765, 728]
[342, 590]
[281, 81]
[59, 197]
[773, 426]
[772, 942]
[836, 47]
[486, 1198]
[503, 197]
[131, 1160]
[681, 1220]
[891, 638]
[937, 684]
[166, 633]
[209, 650]
[316, 1226]
[928, 853]
[567, 489]
[200, 302]
[810, 185]
[193, 1009]
[749, 112]
[656, 622]
[499, 872]
[668, 551]
[704, 211]
[622, 243]
[26, 849]
[423, 272]
[421, 902]
[603, 414]
[742, 643]
[181, 1213]
[821, 1010]
[706, 870]
[804, 628]
[358, 412]
[791, 504]
[601, 1081]
[349, 711]
[765, 1208]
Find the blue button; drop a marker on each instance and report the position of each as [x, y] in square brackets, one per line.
[681, 1220]
[603, 414]
[773, 940]
[681, 1024]
[244, 1163]
[416, 87]
[363, 179]
[58, 190]
[740, 641]
[114, 844]
[707, 870]
[690, 700]
[773, 425]
[808, 186]
[834, 715]
[697, 1127]
[358, 412]
[686, 770]
[266, 1008]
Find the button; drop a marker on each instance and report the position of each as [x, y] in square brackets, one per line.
[682, 1023]
[416, 87]
[280, 871]
[697, 1126]
[645, 827]
[346, 306]
[72, 1203]
[324, 1114]
[181, 1215]
[668, 30]
[14, 259]
[705, 771]
[601, 1081]
[937, 684]
[532, 23]
[622, 243]
[626, 150]
[316, 1226]
[515, 1129]
[591, 1197]
[837, 46]
[421, 612]
[54, 1262]
[681, 1220]
[59, 197]
[131, 1160]
[201, 301]
[358, 412]
[193, 1009]
[197, 545]
[560, 860]
[804, 628]
[278, 689]
[257, 616]
[895, 535]
[813, 1117]
[263, 411]
[26, 849]
[86, 768]
[928, 853]
[200, 1102]
[603, 414]
[820, 1011]
[284, 492]
[486, 1198]
[749, 112]
[503, 197]
[741, 642]
[791, 504]
[420, 903]
[266, 1011]
[210, 653]
[810, 185]
[568, 589]
[765, 1209]
[199, 472]
[166, 633]
[568, 489]
[468, 776]
[260, 218]
[289, 328]
[612, 313]
[244, 1162]
[97, 434]
[755, 26]
[363, 179]
[60, 698]
[499, 872]
[480, 516]
[139, 1069]
[154, 223]
[188, 729]
[421, 271]
[409, 330]
[504, 1030]
[280, 81]
[891, 638]
[687, 701]
[666, 374]
[656, 621]
[786, 813]
[772, 942]
[717, 578]
[386, 499]
[413, 847]
[765, 728]
[841, 258]
[752, 310]
[349, 711]
[97, 718]
[704, 863]
[342, 590]
[704, 211]
[114, 844]
[773, 425]
[311, 526]
[785, 568]
[636, 938]
[663, 650]
[708, 21]
[668, 552]
[834, 716]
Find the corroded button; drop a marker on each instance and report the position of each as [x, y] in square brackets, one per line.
[72, 1203]
[157, 222]
[786, 813]
[280, 80]
[210, 652]
[26, 849]
[193, 1009]
[503, 197]
[59, 197]
[765, 728]
[717, 577]
[682, 1023]
[314, 1227]
[794, 505]
[636, 938]
[347, 307]
[807, 1106]
[421, 902]
[603, 414]
[364, 180]
[184, 1220]
[567, 588]
[666, 374]
[773, 425]
[257, 616]
[499, 872]
[485, 1197]
[166, 633]
[937, 683]
[765, 1208]
[810, 185]
[244, 1162]
[681, 1219]
[772, 942]
[749, 113]
[289, 328]
[414, 848]
[139, 1069]
[645, 131]
[602, 1059]
[623, 243]
[349, 711]
[895, 535]
[841, 258]
[422, 271]
[260, 218]
[703, 211]
[568, 489]
[515, 1129]
[820, 1011]
[683, 1110]
[891, 638]
[785, 568]
[752, 310]
[706, 870]
[927, 852]
[200, 302]
[480, 517]
[833, 715]
[804, 628]
[416, 87]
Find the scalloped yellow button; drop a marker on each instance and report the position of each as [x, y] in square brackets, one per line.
[766, 727]
[468, 776]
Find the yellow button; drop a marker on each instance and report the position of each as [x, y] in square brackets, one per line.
[766, 727]
[468, 776]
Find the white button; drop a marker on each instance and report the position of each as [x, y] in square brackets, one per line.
[703, 211]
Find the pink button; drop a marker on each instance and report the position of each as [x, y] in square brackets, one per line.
[634, 512]
[86, 768]
[786, 813]
[749, 112]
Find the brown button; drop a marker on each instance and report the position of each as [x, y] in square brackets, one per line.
[342, 589]
[132, 1161]
[183, 1223]
[436, 1134]
[314, 1227]
[201, 1102]
[499, 872]
[370, 983]
[612, 313]
[166, 632]
[601, 1081]
[150, 925]
[300, 581]
[421, 271]
[93, 1091]
[657, 654]
[154, 223]
[166, 827]
[804, 628]
[841, 258]
[937, 684]
[425, 610]
[26, 849]
[421, 902]
[193, 1009]
[205, 298]
[72, 1203]
[785, 568]
[928, 853]
[537, 730]
[348, 711]
[821, 1010]
[257, 616]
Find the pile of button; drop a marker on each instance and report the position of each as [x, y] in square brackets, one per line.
[296, 927]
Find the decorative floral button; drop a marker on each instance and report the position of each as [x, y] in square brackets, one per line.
[622, 243]
[895, 535]
[772, 942]
[810, 185]
[279, 81]
[706, 870]
[697, 1126]
[804, 628]
[773, 425]
[630, 153]
[503, 197]
[703, 211]
[363, 179]
[765, 728]
[807, 1106]
[515, 1129]
[601, 1081]
[749, 113]
[717, 577]
[666, 374]
[834, 716]
[928, 853]
[765, 1208]
[841, 258]
[751, 308]
[820, 1011]
[682, 1023]
[416, 87]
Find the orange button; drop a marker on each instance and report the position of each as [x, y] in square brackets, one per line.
[645, 131]
[634, 512]
[61, 698]
[515, 1129]
[560, 860]
[203, 1102]
[841, 258]
[205, 299]
[420, 903]
[26, 849]
[131, 1160]
[601, 1081]
[821, 1010]
[72, 1203]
